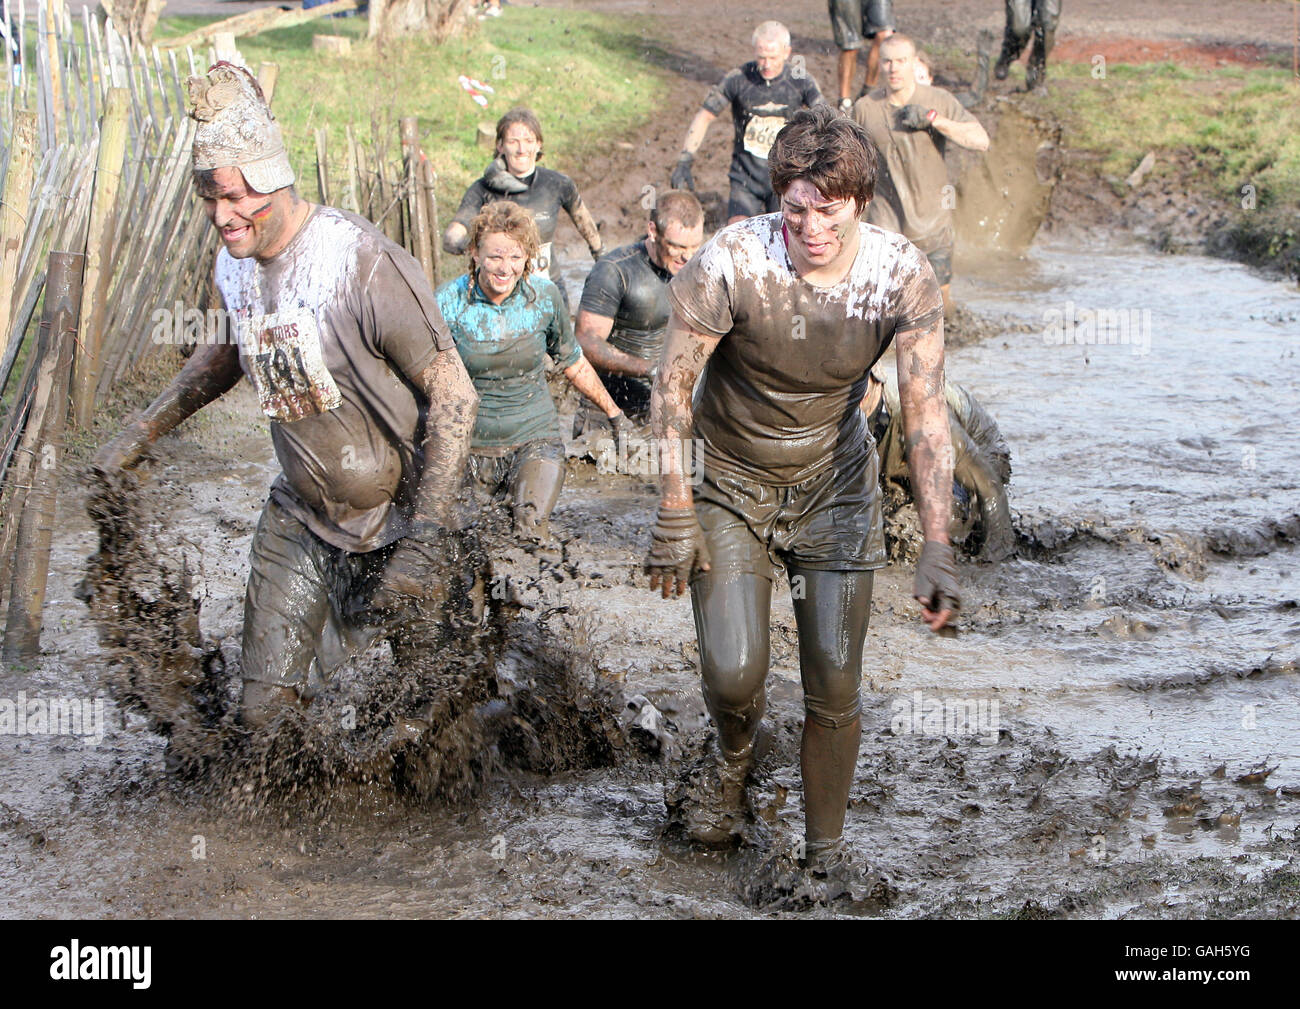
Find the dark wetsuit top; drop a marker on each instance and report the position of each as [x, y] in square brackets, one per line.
[759, 108]
[627, 287]
[546, 194]
[779, 400]
[505, 349]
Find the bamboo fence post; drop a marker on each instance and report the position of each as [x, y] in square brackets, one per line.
[51, 50]
[267, 75]
[99, 238]
[352, 199]
[323, 166]
[14, 212]
[43, 435]
[435, 236]
[418, 208]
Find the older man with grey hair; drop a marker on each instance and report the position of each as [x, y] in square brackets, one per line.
[369, 405]
[763, 95]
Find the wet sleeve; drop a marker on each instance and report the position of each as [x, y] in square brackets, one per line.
[722, 93]
[812, 93]
[950, 108]
[701, 292]
[604, 290]
[920, 303]
[560, 343]
[470, 204]
[568, 192]
[402, 315]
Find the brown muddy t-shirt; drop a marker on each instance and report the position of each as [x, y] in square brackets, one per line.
[779, 399]
[334, 333]
[910, 188]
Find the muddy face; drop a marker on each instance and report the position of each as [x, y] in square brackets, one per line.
[822, 231]
[674, 248]
[249, 223]
[499, 264]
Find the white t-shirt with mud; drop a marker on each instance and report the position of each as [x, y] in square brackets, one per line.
[334, 333]
[779, 399]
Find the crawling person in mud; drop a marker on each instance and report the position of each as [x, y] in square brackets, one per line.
[911, 124]
[624, 310]
[516, 176]
[507, 322]
[981, 465]
[790, 311]
[763, 95]
[370, 407]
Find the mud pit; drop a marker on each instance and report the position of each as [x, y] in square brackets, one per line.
[1112, 733]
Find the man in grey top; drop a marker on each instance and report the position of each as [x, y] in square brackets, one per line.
[789, 311]
[370, 407]
[910, 124]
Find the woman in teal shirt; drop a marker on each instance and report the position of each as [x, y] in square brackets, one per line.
[507, 321]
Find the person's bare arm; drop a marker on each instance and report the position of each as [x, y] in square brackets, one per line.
[677, 543]
[584, 378]
[586, 225]
[593, 336]
[696, 131]
[453, 405]
[210, 372]
[970, 135]
[928, 447]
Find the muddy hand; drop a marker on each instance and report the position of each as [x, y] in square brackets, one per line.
[414, 580]
[677, 550]
[123, 452]
[681, 177]
[914, 117]
[935, 586]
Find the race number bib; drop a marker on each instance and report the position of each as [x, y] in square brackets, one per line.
[283, 356]
[542, 261]
[760, 134]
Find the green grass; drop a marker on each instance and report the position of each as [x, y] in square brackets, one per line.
[580, 73]
[1242, 126]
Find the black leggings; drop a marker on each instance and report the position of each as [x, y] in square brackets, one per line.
[831, 609]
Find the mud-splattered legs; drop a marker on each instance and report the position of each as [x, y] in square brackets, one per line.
[732, 616]
[832, 620]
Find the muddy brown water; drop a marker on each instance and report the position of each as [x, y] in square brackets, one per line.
[1112, 733]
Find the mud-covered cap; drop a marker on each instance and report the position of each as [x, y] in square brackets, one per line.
[236, 128]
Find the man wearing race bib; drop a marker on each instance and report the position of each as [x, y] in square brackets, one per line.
[370, 407]
[763, 95]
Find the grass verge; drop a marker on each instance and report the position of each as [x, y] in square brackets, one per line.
[579, 72]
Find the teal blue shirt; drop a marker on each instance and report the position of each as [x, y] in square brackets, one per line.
[505, 348]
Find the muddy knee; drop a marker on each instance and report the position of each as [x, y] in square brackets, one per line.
[537, 489]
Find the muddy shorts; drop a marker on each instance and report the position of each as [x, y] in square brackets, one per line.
[941, 263]
[306, 605]
[744, 202]
[831, 522]
[854, 20]
[496, 475]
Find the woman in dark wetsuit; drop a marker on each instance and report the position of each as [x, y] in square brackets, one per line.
[506, 321]
[516, 176]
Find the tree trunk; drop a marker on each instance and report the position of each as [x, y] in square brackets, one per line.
[439, 18]
[135, 19]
